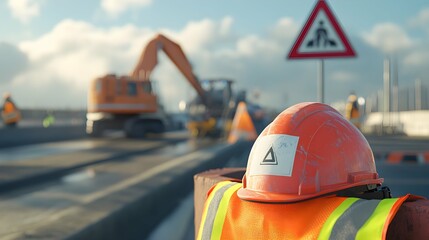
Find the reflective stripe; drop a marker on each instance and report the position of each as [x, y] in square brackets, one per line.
[210, 209]
[330, 222]
[373, 228]
[221, 212]
[347, 226]
[358, 219]
[354, 218]
[11, 115]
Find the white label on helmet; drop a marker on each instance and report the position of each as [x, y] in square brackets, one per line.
[273, 155]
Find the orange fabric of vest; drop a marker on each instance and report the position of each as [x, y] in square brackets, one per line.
[354, 113]
[9, 107]
[301, 220]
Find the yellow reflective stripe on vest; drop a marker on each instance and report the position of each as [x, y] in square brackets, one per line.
[206, 207]
[354, 218]
[373, 228]
[221, 212]
[358, 219]
[332, 219]
[10, 115]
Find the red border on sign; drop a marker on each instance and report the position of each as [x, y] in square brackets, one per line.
[348, 52]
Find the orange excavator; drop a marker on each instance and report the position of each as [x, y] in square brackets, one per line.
[128, 102]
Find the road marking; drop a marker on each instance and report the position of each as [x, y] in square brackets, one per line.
[150, 173]
[202, 155]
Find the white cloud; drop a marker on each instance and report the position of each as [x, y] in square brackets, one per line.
[414, 63]
[24, 10]
[204, 35]
[63, 61]
[422, 19]
[225, 25]
[388, 37]
[116, 7]
[75, 52]
[417, 58]
[286, 28]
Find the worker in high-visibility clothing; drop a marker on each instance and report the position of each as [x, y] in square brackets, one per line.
[310, 175]
[49, 119]
[352, 110]
[10, 112]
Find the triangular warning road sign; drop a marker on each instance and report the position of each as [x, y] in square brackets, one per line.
[270, 158]
[321, 36]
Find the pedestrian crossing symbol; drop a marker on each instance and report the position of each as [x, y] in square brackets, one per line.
[321, 36]
[270, 158]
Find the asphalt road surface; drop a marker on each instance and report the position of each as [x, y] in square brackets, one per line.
[30, 207]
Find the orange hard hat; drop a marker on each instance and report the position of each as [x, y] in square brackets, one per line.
[309, 150]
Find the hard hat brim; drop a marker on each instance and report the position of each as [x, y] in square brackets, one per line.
[267, 197]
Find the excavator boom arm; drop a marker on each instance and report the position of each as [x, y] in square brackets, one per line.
[149, 59]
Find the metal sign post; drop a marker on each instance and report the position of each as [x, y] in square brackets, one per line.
[321, 86]
[320, 38]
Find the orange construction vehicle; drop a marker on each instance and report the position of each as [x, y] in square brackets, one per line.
[129, 103]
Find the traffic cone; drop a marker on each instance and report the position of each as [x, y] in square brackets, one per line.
[242, 125]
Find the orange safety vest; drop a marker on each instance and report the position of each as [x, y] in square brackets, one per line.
[352, 113]
[10, 113]
[226, 216]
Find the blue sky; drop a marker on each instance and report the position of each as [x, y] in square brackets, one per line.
[51, 49]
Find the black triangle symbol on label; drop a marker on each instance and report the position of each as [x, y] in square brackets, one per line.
[270, 158]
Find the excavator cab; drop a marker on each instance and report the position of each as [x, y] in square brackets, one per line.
[115, 101]
[113, 94]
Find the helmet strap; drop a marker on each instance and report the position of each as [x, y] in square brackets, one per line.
[368, 192]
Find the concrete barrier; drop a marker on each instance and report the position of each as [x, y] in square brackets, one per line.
[11, 137]
[63, 117]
